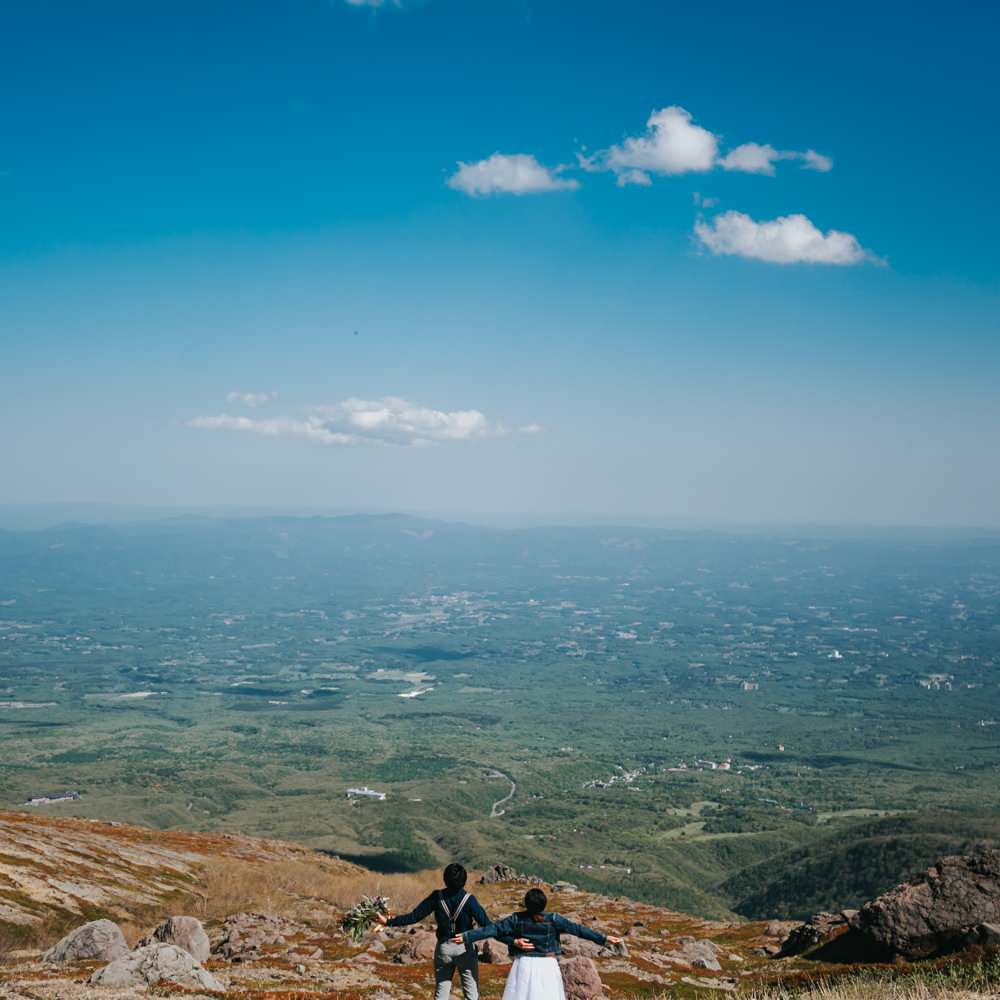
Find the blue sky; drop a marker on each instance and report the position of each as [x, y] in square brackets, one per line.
[735, 264]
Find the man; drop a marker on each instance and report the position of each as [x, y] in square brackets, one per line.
[456, 911]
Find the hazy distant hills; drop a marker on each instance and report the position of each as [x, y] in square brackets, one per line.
[358, 549]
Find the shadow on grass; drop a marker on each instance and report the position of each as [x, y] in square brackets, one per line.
[384, 862]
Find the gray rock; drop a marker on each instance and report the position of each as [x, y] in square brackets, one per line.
[504, 873]
[156, 963]
[246, 936]
[581, 979]
[697, 954]
[989, 934]
[982, 936]
[100, 939]
[820, 929]
[572, 946]
[779, 929]
[184, 932]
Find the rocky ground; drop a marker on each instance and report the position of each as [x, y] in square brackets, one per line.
[85, 908]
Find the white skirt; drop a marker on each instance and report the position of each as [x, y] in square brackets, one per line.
[534, 979]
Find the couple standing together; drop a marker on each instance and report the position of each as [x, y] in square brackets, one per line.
[531, 935]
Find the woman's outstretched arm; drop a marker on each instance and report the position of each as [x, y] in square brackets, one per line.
[565, 926]
[501, 929]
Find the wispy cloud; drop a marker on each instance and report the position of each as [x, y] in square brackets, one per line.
[790, 239]
[519, 173]
[251, 399]
[375, 3]
[754, 158]
[674, 144]
[387, 421]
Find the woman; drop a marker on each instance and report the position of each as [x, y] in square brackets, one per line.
[535, 974]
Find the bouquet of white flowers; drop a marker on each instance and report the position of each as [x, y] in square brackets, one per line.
[358, 920]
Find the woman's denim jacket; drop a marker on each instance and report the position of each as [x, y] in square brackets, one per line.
[544, 934]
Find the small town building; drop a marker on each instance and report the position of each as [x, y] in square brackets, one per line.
[365, 793]
[49, 797]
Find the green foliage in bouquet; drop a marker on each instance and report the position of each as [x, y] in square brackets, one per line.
[358, 920]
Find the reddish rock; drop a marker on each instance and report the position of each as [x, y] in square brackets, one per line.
[417, 948]
[493, 952]
[581, 979]
[932, 914]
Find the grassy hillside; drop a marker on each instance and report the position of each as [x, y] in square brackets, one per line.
[846, 867]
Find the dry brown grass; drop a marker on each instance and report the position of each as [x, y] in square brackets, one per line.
[309, 891]
[861, 990]
[7, 944]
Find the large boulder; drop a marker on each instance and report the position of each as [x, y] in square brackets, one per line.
[156, 963]
[101, 940]
[418, 947]
[581, 979]
[184, 932]
[932, 914]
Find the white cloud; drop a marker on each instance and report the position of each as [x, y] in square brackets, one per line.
[638, 177]
[250, 399]
[789, 239]
[754, 158]
[516, 174]
[359, 421]
[673, 144]
[816, 161]
[310, 428]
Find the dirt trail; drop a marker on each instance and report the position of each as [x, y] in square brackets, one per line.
[498, 809]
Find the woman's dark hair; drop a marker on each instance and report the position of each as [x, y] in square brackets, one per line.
[535, 902]
[455, 876]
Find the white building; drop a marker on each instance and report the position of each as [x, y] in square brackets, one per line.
[365, 793]
[50, 797]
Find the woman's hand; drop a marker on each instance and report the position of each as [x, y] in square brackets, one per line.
[523, 944]
[611, 939]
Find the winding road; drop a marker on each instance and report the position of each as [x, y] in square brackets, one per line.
[498, 809]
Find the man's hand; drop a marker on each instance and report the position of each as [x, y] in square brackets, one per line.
[523, 944]
[458, 939]
[381, 919]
